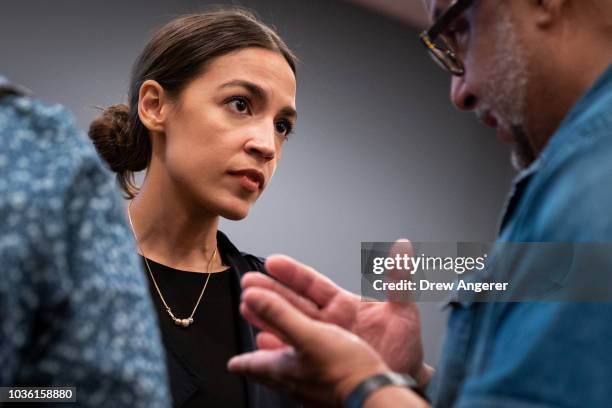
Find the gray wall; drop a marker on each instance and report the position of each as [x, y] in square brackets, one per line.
[379, 152]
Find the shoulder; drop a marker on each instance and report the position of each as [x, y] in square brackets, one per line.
[9, 88]
[41, 134]
[24, 112]
[52, 126]
[43, 154]
[256, 263]
[243, 261]
[54, 191]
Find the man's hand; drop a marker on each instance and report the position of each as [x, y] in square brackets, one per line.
[320, 363]
[391, 328]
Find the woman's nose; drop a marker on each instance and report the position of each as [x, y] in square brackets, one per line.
[263, 143]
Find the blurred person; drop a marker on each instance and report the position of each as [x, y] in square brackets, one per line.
[74, 307]
[540, 73]
[211, 104]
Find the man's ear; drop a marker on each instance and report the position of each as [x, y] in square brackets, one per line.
[548, 11]
[153, 106]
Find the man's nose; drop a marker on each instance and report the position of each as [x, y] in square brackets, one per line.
[461, 96]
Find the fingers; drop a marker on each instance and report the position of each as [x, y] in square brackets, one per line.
[401, 246]
[257, 279]
[254, 319]
[268, 341]
[269, 366]
[281, 370]
[271, 312]
[302, 279]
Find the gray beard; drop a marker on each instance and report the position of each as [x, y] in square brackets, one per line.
[522, 154]
[506, 88]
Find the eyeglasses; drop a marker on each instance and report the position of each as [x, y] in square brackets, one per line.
[441, 49]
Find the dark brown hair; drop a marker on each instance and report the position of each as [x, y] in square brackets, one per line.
[175, 55]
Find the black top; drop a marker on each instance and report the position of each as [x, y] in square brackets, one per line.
[208, 343]
[197, 355]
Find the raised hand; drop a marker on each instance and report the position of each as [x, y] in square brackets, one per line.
[319, 364]
[391, 328]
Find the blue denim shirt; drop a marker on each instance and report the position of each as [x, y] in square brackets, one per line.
[74, 305]
[543, 354]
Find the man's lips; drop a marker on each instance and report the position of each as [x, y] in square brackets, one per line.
[503, 133]
[250, 179]
[486, 117]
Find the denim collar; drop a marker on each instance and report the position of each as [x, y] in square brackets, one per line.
[602, 86]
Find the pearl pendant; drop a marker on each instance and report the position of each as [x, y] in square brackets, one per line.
[183, 322]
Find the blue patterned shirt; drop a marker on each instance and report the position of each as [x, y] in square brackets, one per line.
[74, 305]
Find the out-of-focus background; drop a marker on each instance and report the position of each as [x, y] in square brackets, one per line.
[379, 152]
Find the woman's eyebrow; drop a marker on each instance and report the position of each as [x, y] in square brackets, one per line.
[289, 112]
[253, 88]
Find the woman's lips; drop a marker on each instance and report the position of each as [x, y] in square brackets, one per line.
[250, 179]
[248, 183]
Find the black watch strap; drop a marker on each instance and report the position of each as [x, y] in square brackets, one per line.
[371, 384]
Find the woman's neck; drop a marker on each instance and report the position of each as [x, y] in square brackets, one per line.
[172, 232]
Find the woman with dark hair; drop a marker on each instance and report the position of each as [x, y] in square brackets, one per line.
[211, 102]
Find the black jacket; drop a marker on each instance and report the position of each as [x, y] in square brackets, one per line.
[258, 396]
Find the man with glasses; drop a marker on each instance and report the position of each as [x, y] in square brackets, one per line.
[540, 73]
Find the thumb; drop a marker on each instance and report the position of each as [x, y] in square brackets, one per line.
[402, 248]
[279, 316]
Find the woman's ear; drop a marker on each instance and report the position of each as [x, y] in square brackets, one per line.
[152, 106]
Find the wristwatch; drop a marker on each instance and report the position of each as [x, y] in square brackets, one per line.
[371, 384]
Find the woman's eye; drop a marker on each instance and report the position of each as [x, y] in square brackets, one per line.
[239, 105]
[283, 127]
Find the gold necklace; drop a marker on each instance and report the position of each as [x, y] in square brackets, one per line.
[179, 322]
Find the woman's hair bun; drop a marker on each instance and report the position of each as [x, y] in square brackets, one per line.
[109, 134]
[125, 148]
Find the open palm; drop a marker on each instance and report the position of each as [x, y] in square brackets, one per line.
[391, 328]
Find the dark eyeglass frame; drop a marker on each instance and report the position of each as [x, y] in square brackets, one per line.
[441, 51]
